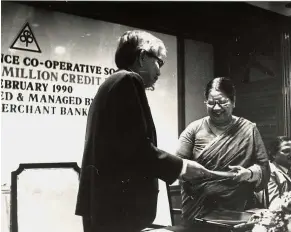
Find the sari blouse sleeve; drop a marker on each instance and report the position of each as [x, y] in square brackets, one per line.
[261, 159]
[186, 142]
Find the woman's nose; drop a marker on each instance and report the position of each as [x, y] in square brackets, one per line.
[216, 107]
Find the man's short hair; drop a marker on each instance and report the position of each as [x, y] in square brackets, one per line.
[275, 146]
[131, 43]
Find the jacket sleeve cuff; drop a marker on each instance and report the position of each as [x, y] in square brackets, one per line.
[183, 170]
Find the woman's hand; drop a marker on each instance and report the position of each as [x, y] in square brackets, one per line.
[241, 173]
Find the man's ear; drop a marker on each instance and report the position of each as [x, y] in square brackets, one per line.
[234, 100]
[141, 57]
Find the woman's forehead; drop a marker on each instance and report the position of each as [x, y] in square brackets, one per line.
[215, 94]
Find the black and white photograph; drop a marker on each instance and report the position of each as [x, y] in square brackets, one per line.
[145, 116]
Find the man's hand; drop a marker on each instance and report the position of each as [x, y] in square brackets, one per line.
[194, 171]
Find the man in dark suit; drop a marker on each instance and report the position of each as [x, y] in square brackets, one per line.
[280, 179]
[121, 163]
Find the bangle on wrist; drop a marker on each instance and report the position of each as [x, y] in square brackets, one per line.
[252, 174]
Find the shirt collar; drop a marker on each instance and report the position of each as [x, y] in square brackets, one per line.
[283, 169]
[128, 69]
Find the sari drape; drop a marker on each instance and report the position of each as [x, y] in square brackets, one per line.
[236, 146]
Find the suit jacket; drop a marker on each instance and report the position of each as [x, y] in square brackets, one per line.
[121, 163]
[279, 183]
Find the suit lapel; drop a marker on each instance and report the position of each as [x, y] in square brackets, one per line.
[150, 126]
[282, 172]
[151, 130]
[286, 176]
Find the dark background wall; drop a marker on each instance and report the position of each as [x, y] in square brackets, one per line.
[213, 22]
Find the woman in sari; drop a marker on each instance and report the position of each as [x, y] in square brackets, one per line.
[222, 142]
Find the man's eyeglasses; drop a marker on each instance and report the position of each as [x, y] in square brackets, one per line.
[160, 61]
[222, 103]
